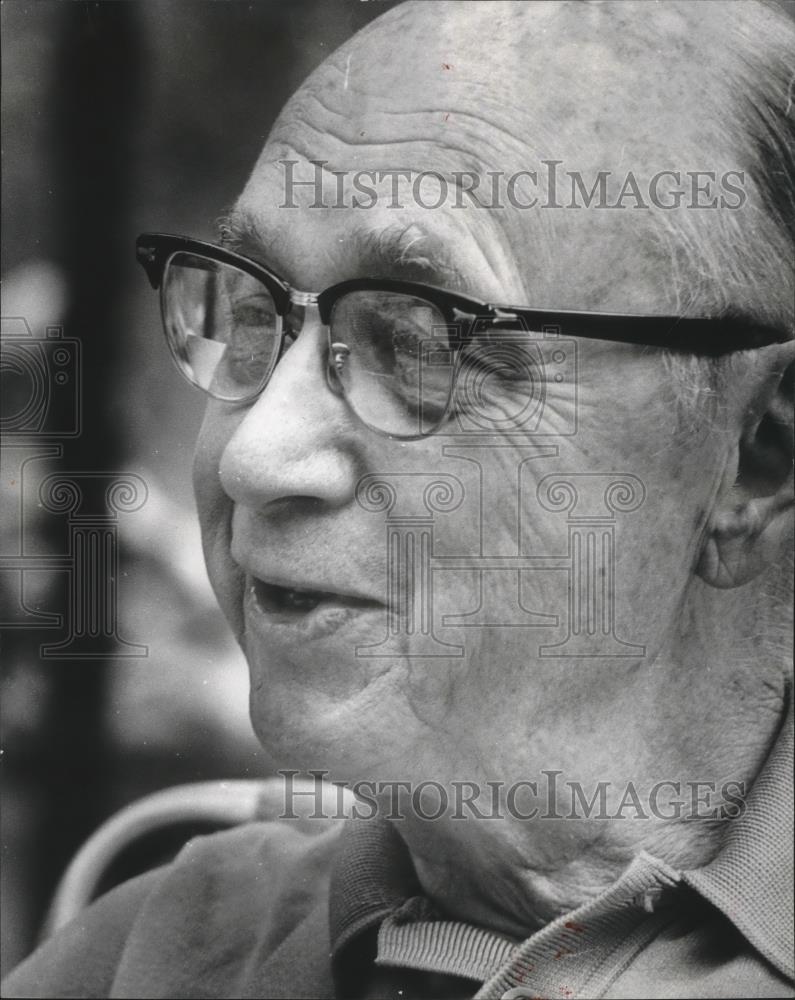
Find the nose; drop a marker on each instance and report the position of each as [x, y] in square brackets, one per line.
[297, 439]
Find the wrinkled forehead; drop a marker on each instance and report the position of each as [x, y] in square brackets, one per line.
[552, 139]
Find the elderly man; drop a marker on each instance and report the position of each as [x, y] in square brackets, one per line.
[495, 485]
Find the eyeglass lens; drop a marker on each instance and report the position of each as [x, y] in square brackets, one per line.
[399, 373]
[222, 326]
[390, 352]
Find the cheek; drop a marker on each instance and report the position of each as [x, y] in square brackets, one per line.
[656, 545]
[215, 517]
[591, 539]
[210, 444]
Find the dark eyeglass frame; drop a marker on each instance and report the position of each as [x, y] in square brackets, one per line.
[710, 336]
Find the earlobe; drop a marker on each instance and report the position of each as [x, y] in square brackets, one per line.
[742, 544]
[752, 521]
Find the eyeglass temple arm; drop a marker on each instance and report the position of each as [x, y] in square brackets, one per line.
[696, 335]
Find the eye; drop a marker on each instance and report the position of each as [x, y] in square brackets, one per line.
[407, 343]
[248, 328]
[254, 311]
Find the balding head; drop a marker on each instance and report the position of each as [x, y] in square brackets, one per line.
[641, 89]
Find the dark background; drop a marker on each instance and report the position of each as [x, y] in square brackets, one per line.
[120, 117]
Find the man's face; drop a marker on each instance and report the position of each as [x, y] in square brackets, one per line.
[277, 480]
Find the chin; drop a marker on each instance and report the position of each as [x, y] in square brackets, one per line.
[354, 731]
[296, 744]
[299, 724]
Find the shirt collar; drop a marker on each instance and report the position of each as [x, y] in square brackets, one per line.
[373, 876]
[750, 880]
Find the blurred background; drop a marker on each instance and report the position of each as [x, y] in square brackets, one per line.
[117, 118]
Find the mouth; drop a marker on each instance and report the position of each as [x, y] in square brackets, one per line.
[275, 598]
[313, 613]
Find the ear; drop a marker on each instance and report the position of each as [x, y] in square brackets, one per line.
[752, 518]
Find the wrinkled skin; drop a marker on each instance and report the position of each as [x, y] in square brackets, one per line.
[276, 480]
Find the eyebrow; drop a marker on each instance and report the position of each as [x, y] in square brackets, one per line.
[237, 231]
[396, 251]
[409, 251]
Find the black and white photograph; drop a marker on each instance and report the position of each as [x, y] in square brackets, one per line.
[396, 499]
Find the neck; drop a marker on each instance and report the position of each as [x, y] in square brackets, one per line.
[598, 803]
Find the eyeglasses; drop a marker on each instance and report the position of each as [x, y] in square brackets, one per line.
[405, 356]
